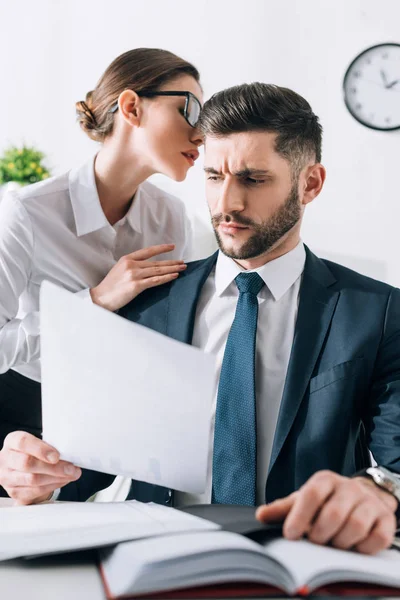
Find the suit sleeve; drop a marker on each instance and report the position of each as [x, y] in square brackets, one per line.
[383, 419]
[88, 484]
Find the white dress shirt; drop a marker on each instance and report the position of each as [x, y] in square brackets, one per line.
[56, 230]
[277, 314]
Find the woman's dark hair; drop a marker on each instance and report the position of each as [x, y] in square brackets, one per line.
[139, 69]
[266, 107]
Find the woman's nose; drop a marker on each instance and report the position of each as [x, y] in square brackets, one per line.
[197, 137]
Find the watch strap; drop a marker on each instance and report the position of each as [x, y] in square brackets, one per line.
[364, 473]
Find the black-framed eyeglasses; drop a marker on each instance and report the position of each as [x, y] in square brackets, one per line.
[191, 111]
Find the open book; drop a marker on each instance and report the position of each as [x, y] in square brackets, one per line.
[211, 557]
[69, 526]
[202, 558]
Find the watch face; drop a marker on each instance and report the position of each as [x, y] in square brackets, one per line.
[372, 87]
[385, 479]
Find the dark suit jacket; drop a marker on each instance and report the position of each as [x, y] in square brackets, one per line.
[342, 390]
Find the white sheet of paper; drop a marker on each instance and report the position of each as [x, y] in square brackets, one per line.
[120, 398]
[63, 526]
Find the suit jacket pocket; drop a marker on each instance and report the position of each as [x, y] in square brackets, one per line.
[341, 371]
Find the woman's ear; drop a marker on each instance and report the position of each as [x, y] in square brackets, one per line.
[129, 106]
[314, 178]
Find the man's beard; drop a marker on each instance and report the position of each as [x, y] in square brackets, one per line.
[267, 234]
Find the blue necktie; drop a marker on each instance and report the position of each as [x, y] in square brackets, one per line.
[235, 437]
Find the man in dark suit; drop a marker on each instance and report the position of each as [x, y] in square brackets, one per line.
[309, 351]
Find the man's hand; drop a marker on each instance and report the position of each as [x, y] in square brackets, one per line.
[133, 274]
[30, 469]
[329, 508]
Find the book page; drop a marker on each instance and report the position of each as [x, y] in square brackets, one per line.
[314, 565]
[56, 527]
[185, 560]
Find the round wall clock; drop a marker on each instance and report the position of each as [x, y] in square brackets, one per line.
[371, 87]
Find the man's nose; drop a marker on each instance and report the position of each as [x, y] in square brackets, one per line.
[230, 199]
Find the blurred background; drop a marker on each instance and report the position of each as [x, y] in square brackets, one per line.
[53, 52]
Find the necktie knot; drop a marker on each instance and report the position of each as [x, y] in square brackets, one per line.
[249, 282]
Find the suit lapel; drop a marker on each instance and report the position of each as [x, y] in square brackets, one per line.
[183, 299]
[316, 308]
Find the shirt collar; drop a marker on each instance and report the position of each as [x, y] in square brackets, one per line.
[134, 214]
[278, 275]
[88, 214]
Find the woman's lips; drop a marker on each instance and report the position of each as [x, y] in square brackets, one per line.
[189, 159]
[191, 156]
[232, 228]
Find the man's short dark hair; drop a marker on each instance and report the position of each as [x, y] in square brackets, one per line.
[266, 107]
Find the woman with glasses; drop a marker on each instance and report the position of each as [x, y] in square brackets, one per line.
[101, 231]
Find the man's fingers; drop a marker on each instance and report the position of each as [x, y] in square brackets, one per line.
[18, 461]
[331, 517]
[309, 501]
[358, 525]
[23, 496]
[20, 441]
[380, 537]
[277, 510]
[146, 253]
[15, 479]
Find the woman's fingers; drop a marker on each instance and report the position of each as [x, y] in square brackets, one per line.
[124, 281]
[159, 280]
[147, 253]
[158, 263]
[140, 274]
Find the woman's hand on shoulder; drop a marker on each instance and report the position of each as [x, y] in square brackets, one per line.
[134, 273]
[31, 470]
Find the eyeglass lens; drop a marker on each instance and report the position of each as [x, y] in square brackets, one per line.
[193, 111]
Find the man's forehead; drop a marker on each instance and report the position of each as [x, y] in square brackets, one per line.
[240, 152]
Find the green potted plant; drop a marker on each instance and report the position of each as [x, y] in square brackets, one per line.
[21, 166]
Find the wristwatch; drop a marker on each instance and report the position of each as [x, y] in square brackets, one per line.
[384, 479]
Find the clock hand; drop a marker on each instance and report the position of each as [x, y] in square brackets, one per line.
[390, 85]
[383, 75]
[371, 81]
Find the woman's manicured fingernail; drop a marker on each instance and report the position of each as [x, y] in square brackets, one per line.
[69, 470]
[52, 457]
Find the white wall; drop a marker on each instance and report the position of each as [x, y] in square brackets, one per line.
[52, 52]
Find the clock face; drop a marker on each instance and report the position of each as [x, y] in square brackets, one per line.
[372, 87]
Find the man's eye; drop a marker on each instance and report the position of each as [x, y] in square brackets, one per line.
[213, 178]
[252, 181]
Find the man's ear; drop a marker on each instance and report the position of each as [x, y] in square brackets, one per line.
[312, 182]
[129, 105]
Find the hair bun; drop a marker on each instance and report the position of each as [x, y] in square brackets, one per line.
[85, 116]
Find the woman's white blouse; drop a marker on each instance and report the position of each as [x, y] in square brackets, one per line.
[56, 230]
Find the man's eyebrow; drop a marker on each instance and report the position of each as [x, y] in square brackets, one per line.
[250, 172]
[247, 172]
